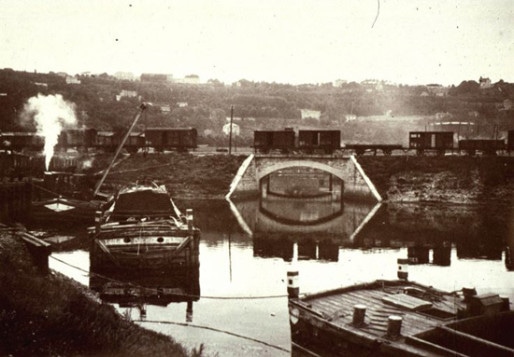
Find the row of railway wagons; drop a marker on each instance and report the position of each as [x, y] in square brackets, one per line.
[329, 141]
[443, 142]
[308, 140]
[181, 139]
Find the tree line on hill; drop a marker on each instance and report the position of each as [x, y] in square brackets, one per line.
[99, 103]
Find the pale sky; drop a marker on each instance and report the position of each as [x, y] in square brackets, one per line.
[285, 41]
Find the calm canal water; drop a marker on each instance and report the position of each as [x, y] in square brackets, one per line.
[247, 248]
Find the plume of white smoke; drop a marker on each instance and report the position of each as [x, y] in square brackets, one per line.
[50, 114]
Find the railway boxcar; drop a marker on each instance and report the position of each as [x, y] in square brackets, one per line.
[181, 139]
[325, 141]
[109, 141]
[14, 165]
[104, 140]
[19, 141]
[439, 141]
[264, 141]
[134, 142]
[81, 139]
[487, 147]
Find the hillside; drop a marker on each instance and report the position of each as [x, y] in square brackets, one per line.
[106, 103]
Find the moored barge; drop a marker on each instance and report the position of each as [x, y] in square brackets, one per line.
[400, 318]
[144, 229]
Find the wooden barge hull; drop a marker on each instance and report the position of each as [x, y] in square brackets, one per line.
[326, 324]
[144, 246]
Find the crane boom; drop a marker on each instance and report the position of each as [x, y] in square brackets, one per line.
[140, 111]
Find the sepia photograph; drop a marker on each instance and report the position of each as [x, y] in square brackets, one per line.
[257, 178]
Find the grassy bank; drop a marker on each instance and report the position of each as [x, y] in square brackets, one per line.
[185, 175]
[55, 316]
[457, 179]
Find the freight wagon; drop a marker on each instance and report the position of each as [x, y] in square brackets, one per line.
[439, 141]
[80, 139]
[83, 139]
[283, 140]
[319, 141]
[162, 139]
[19, 141]
[485, 146]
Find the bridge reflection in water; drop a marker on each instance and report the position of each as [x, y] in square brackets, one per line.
[321, 227]
[317, 225]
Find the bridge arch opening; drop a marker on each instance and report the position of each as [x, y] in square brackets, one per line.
[302, 181]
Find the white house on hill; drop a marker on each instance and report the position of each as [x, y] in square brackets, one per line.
[313, 114]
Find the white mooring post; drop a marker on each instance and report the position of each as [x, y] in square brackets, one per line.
[98, 221]
[189, 311]
[359, 313]
[293, 289]
[394, 326]
[189, 219]
[403, 272]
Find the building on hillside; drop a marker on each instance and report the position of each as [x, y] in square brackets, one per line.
[372, 85]
[443, 116]
[72, 80]
[309, 113]
[339, 82]
[165, 108]
[182, 104]
[126, 94]
[40, 84]
[156, 77]
[485, 83]
[236, 130]
[190, 79]
[436, 90]
[127, 76]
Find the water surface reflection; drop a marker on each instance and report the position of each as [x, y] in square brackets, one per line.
[135, 290]
[247, 247]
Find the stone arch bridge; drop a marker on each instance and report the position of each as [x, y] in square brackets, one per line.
[249, 177]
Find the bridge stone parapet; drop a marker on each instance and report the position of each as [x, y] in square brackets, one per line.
[248, 181]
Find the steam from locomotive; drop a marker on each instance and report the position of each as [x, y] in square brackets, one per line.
[50, 114]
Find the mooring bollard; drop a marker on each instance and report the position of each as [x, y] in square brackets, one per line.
[189, 311]
[403, 272]
[293, 290]
[189, 219]
[394, 326]
[38, 249]
[98, 221]
[359, 313]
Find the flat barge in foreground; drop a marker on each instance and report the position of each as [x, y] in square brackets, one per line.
[400, 318]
